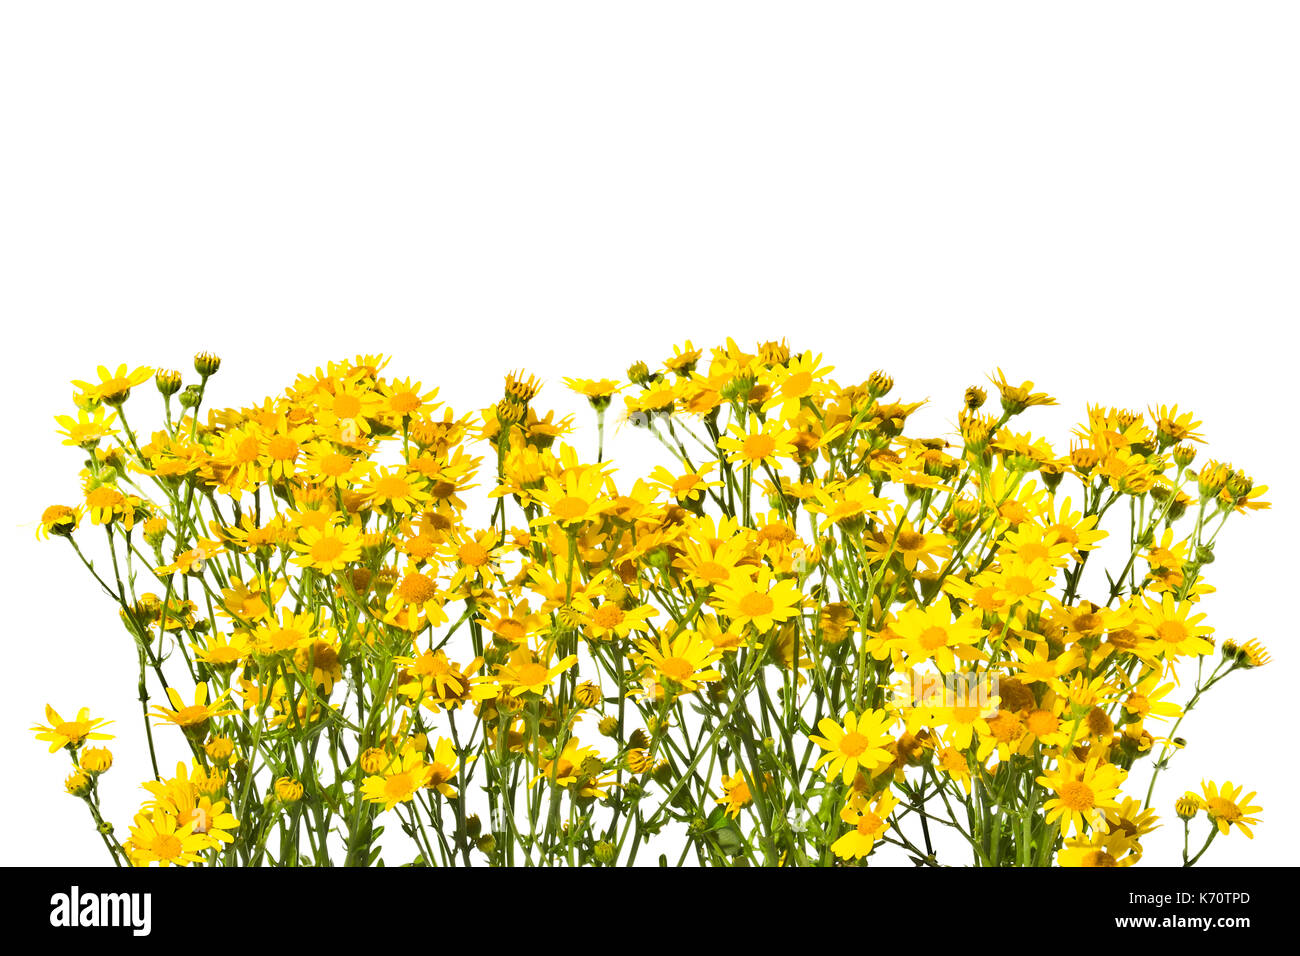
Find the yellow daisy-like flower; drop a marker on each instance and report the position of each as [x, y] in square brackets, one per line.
[599, 392]
[192, 718]
[444, 768]
[395, 488]
[1146, 699]
[869, 821]
[288, 634]
[112, 387]
[1178, 631]
[610, 619]
[688, 487]
[224, 651]
[416, 602]
[580, 496]
[160, 838]
[859, 742]
[328, 549]
[762, 442]
[1226, 807]
[87, 429]
[70, 733]
[399, 782]
[58, 520]
[525, 673]
[684, 660]
[759, 601]
[931, 633]
[1082, 792]
[735, 794]
[801, 378]
[1101, 848]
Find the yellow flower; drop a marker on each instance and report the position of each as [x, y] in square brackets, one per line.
[160, 838]
[399, 782]
[1176, 632]
[1226, 807]
[526, 673]
[70, 733]
[683, 660]
[761, 443]
[1101, 848]
[735, 794]
[112, 387]
[1082, 792]
[931, 633]
[759, 601]
[192, 718]
[869, 821]
[859, 742]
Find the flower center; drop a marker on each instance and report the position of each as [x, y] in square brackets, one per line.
[1077, 796]
[933, 637]
[869, 824]
[326, 549]
[911, 541]
[282, 448]
[1042, 722]
[1172, 632]
[608, 616]
[758, 446]
[530, 675]
[166, 846]
[1224, 810]
[392, 486]
[853, 744]
[678, 668]
[570, 507]
[756, 604]
[416, 588]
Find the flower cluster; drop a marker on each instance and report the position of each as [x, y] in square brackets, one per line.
[808, 635]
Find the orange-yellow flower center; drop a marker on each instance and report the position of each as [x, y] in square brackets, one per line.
[282, 448]
[869, 824]
[1042, 722]
[532, 674]
[166, 846]
[933, 637]
[1077, 796]
[473, 554]
[392, 487]
[416, 588]
[399, 786]
[676, 668]
[756, 604]
[758, 446]
[608, 616]
[911, 541]
[570, 508]
[1172, 632]
[1223, 809]
[853, 744]
[326, 549]
[347, 406]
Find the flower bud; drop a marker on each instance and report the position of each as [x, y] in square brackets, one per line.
[288, 790]
[206, 364]
[168, 381]
[96, 759]
[191, 396]
[78, 784]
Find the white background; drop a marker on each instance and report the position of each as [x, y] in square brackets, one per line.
[1100, 197]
